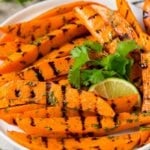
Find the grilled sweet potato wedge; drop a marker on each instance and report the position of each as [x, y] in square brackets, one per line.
[22, 92]
[29, 53]
[31, 30]
[124, 142]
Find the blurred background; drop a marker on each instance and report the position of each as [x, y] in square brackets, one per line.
[9, 7]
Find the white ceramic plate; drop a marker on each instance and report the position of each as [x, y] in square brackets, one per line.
[5, 142]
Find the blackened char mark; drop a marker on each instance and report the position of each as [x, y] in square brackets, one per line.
[17, 93]
[45, 141]
[64, 103]
[64, 30]
[32, 94]
[51, 37]
[29, 138]
[63, 144]
[52, 65]
[19, 30]
[38, 74]
[127, 12]
[96, 147]
[32, 123]
[82, 117]
[93, 16]
[14, 121]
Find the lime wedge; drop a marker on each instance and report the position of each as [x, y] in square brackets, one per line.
[114, 88]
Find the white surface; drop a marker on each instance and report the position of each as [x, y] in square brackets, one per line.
[28, 13]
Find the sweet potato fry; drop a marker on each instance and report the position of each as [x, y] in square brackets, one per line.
[60, 127]
[29, 53]
[31, 30]
[101, 30]
[145, 64]
[22, 92]
[120, 25]
[125, 10]
[65, 49]
[124, 141]
[125, 103]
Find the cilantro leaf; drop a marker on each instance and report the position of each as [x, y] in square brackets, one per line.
[74, 77]
[113, 65]
[92, 76]
[80, 55]
[95, 46]
[125, 47]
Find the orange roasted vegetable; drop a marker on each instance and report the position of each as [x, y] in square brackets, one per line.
[145, 65]
[33, 29]
[20, 92]
[99, 28]
[124, 141]
[30, 53]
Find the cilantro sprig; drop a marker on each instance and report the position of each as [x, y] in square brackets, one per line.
[118, 64]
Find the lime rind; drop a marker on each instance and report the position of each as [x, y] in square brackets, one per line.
[114, 88]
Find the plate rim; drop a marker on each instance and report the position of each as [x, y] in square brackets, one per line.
[17, 17]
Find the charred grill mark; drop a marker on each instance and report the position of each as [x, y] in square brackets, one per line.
[24, 53]
[76, 136]
[32, 94]
[23, 62]
[20, 75]
[14, 121]
[93, 16]
[32, 123]
[70, 20]
[51, 37]
[96, 147]
[60, 52]
[45, 141]
[99, 117]
[64, 30]
[17, 93]
[29, 138]
[63, 144]
[130, 139]
[2, 44]
[127, 12]
[19, 50]
[19, 30]
[10, 29]
[55, 71]
[38, 74]
[113, 106]
[82, 117]
[64, 103]
[88, 134]
[94, 138]
[115, 119]
[68, 58]
[32, 37]
[40, 55]
[98, 31]
[48, 28]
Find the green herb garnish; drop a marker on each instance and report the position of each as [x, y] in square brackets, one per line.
[111, 65]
